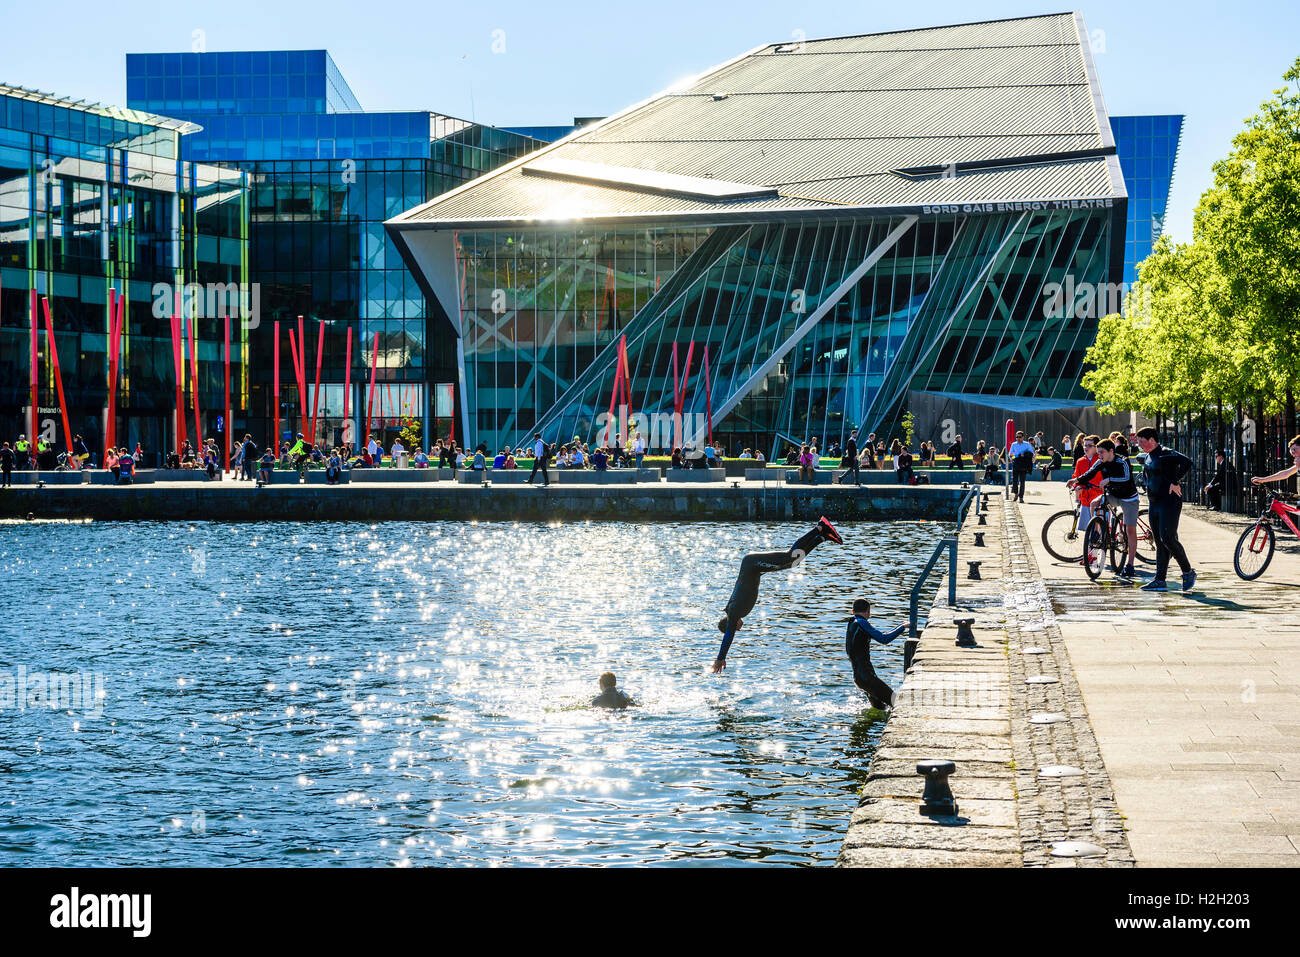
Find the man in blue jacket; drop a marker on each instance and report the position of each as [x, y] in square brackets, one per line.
[857, 643]
[1164, 470]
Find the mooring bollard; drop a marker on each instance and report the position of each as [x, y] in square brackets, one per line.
[974, 574]
[979, 539]
[983, 519]
[965, 636]
[937, 798]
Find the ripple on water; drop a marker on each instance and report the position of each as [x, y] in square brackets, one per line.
[411, 693]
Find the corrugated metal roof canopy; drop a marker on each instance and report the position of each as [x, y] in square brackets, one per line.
[830, 123]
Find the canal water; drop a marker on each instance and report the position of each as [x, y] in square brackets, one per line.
[414, 693]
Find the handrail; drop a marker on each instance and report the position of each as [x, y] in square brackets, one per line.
[948, 542]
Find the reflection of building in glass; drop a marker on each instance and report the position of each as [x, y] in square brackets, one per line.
[838, 222]
[94, 198]
[1148, 149]
[324, 178]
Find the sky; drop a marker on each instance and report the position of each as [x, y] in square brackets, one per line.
[512, 63]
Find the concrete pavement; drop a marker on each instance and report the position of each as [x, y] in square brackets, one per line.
[1194, 699]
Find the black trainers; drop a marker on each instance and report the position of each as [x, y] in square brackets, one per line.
[828, 530]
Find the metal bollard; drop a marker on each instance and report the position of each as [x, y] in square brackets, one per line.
[979, 539]
[965, 636]
[983, 519]
[974, 574]
[937, 798]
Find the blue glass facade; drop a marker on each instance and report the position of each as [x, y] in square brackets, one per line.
[93, 199]
[325, 176]
[1147, 148]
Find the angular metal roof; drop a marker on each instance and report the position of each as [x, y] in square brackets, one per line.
[831, 123]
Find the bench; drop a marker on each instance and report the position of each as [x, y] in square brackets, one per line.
[695, 475]
[820, 477]
[395, 475]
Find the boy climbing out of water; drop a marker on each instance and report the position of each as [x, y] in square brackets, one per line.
[752, 567]
[857, 643]
[610, 696]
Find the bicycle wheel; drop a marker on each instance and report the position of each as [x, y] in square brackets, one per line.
[1146, 540]
[1096, 545]
[1254, 551]
[1118, 546]
[1061, 536]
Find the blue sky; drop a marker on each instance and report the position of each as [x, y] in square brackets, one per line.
[1214, 62]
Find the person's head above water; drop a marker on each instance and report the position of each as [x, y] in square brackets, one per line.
[861, 608]
[608, 682]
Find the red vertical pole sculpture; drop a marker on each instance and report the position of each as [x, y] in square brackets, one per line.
[275, 436]
[117, 324]
[58, 376]
[627, 387]
[178, 359]
[110, 415]
[347, 382]
[194, 382]
[370, 404]
[614, 393]
[226, 393]
[293, 357]
[32, 365]
[315, 398]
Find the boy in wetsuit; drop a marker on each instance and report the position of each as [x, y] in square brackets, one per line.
[752, 567]
[857, 644]
[610, 696]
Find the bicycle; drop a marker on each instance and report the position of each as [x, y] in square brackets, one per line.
[1256, 544]
[1063, 541]
[1105, 537]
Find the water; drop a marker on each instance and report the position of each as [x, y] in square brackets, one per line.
[413, 693]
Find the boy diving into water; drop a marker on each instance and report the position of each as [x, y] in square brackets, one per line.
[752, 567]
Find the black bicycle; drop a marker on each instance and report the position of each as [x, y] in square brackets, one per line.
[1105, 537]
[1063, 538]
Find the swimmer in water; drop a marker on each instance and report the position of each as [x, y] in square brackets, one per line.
[752, 567]
[610, 696]
[857, 643]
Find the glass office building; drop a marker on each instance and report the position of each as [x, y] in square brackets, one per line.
[837, 224]
[96, 198]
[1148, 150]
[324, 177]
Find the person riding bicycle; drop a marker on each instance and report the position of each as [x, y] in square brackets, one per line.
[1117, 478]
[1293, 469]
[1087, 493]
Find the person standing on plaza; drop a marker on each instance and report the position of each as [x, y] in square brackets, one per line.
[1224, 476]
[954, 454]
[850, 460]
[1020, 457]
[638, 448]
[23, 452]
[1164, 470]
[7, 458]
[539, 460]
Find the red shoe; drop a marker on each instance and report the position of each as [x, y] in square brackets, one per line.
[828, 530]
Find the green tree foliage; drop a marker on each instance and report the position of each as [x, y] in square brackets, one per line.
[1218, 319]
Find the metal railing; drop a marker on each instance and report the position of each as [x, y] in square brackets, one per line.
[948, 543]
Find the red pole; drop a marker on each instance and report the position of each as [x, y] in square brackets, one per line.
[614, 393]
[178, 361]
[112, 378]
[194, 380]
[302, 370]
[293, 357]
[226, 342]
[58, 376]
[118, 324]
[370, 405]
[315, 399]
[32, 364]
[627, 378]
[275, 436]
[686, 378]
[347, 381]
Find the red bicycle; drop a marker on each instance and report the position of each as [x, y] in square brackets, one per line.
[1255, 547]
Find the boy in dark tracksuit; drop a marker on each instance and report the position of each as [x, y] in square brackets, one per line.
[1164, 469]
[857, 643]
